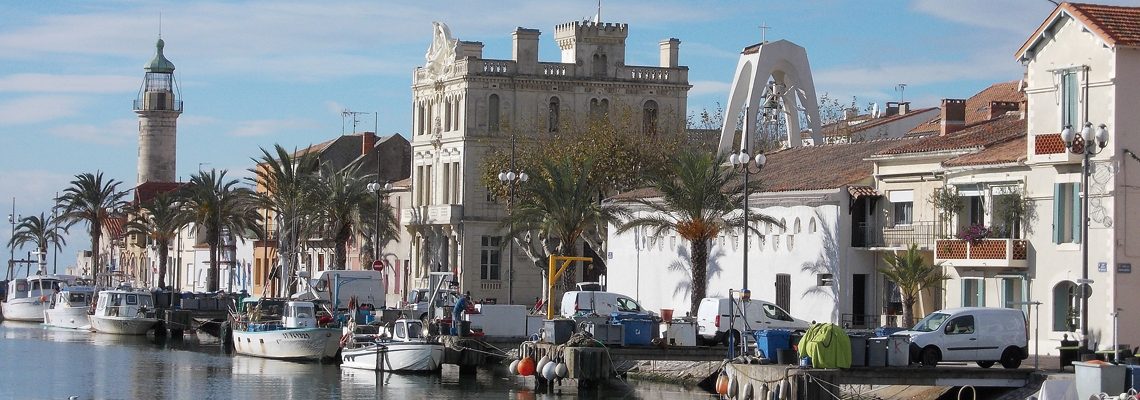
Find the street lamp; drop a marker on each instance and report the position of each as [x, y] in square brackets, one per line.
[743, 163]
[378, 189]
[1085, 144]
[512, 178]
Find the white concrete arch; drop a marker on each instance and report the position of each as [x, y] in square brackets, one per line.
[787, 65]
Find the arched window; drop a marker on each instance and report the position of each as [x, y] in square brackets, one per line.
[796, 226]
[649, 118]
[811, 225]
[1066, 306]
[420, 127]
[553, 118]
[493, 113]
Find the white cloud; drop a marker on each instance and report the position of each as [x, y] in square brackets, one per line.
[264, 127]
[61, 83]
[115, 132]
[703, 88]
[40, 108]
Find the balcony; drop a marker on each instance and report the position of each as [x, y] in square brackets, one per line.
[438, 214]
[1001, 253]
[922, 233]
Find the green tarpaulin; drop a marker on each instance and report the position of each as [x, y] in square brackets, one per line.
[827, 345]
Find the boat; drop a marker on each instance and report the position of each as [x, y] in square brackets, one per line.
[284, 329]
[407, 350]
[29, 297]
[124, 311]
[69, 308]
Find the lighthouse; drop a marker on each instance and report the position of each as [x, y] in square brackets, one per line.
[158, 106]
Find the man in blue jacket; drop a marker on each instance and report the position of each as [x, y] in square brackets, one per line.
[457, 311]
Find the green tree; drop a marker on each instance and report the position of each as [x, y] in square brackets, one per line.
[91, 199]
[42, 231]
[910, 272]
[948, 204]
[218, 207]
[286, 184]
[343, 209]
[159, 220]
[697, 198]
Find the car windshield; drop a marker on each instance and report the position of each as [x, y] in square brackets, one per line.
[931, 322]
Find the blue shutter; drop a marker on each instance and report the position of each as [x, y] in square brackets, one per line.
[1058, 228]
[1077, 223]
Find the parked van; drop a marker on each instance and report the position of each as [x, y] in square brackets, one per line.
[367, 286]
[584, 302]
[980, 334]
[714, 312]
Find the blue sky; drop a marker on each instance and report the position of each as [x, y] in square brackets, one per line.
[256, 73]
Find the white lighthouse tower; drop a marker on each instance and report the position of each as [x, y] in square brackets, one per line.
[158, 105]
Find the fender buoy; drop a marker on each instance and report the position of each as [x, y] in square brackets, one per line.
[561, 370]
[526, 366]
[722, 384]
[548, 371]
[745, 391]
[763, 393]
[514, 368]
[733, 385]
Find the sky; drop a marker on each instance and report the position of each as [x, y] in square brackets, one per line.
[257, 73]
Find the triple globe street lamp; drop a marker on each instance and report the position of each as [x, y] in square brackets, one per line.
[378, 189]
[742, 163]
[1087, 145]
[512, 178]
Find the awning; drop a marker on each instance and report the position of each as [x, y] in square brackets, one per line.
[860, 191]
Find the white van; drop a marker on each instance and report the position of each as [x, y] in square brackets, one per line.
[367, 286]
[714, 312]
[980, 334]
[586, 302]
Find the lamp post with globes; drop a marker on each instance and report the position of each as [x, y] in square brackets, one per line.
[743, 163]
[1087, 145]
[511, 178]
[378, 189]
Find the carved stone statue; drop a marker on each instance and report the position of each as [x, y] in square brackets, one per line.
[441, 54]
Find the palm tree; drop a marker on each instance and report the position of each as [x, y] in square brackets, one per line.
[92, 200]
[342, 210]
[558, 207]
[910, 272]
[286, 183]
[218, 207]
[40, 231]
[698, 197]
[160, 220]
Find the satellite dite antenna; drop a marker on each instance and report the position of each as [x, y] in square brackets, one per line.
[901, 88]
[353, 115]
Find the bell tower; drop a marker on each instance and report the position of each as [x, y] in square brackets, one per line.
[158, 106]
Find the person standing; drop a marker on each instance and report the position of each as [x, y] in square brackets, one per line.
[457, 313]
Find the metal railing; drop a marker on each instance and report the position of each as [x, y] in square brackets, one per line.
[922, 233]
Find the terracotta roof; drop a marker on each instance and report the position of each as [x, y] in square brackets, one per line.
[147, 190]
[974, 136]
[978, 106]
[1010, 151]
[1116, 25]
[861, 190]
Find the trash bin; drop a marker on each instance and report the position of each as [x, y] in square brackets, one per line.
[557, 331]
[768, 341]
[885, 331]
[877, 352]
[858, 350]
[898, 351]
[1096, 377]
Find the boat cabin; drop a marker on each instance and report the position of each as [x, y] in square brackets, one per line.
[407, 329]
[299, 314]
[121, 303]
[77, 297]
[36, 286]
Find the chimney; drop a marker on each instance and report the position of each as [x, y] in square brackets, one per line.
[892, 108]
[368, 141]
[525, 50]
[850, 112]
[953, 116]
[904, 107]
[465, 50]
[999, 108]
[669, 52]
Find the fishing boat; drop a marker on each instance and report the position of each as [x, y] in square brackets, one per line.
[286, 330]
[407, 350]
[29, 297]
[69, 307]
[124, 311]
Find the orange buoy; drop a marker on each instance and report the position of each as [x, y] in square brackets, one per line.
[722, 384]
[526, 366]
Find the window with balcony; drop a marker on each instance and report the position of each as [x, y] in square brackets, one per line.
[1066, 213]
[489, 258]
[973, 292]
[902, 206]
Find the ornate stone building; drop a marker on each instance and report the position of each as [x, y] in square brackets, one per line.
[465, 105]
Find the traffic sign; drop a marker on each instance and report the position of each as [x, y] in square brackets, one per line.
[378, 265]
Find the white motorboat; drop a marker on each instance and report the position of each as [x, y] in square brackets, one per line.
[69, 307]
[284, 330]
[124, 312]
[29, 297]
[406, 351]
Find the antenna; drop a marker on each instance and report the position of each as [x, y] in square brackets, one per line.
[355, 119]
[160, 24]
[764, 32]
[598, 16]
[901, 88]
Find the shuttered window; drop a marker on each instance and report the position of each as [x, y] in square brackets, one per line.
[784, 291]
[1066, 213]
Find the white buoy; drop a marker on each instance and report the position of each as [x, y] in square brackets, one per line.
[732, 386]
[745, 391]
[548, 371]
[561, 370]
[541, 364]
[763, 393]
[514, 368]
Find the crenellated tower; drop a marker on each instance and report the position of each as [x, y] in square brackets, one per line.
[158, 105]
[593, 46]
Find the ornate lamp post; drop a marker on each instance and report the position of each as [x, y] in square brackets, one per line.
[512, 178]
[1085, 144]
[742, 163]
[378, 189]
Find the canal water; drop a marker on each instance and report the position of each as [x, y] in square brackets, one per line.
[38, 362]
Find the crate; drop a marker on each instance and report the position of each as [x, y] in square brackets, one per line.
[609, 335]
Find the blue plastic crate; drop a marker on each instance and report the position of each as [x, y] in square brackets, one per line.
[769, 341]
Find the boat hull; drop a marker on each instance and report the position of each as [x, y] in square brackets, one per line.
[25, 309]
[305, 344]
[395, 356]
[122, 325]
[70, 318]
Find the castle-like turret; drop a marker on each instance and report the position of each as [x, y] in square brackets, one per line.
[593, 46]
[158, 105]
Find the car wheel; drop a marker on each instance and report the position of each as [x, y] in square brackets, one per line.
[931, 356]
[985, 364]
[1010, 358]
